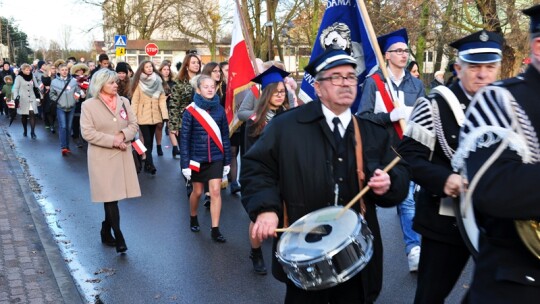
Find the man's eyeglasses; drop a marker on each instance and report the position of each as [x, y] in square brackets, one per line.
[340, 80]
[399, 51]
[278, 93]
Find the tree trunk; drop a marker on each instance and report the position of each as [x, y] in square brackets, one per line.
[421, 40]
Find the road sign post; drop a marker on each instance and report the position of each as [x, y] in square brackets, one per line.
[120, 44]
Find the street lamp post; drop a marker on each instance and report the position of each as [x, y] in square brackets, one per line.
[269, 25]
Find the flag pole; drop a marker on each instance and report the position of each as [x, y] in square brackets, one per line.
[247, 38]
[378, 53]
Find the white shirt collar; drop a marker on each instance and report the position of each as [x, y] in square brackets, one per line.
[396, 80]
[466, 94]
[344, 117]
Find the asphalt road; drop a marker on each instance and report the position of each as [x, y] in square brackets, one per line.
[166, 262]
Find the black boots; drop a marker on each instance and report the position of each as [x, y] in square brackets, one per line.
[106, 235]
[258, 261]
[120, 242]
[217, 236]
[159, 150]
[149, 168]
[175, 151]
[194, 224]
[112, 218]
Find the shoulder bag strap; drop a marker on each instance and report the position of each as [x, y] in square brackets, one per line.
[359, 162]
[67, 83]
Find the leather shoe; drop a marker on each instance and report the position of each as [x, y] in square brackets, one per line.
[258, 262]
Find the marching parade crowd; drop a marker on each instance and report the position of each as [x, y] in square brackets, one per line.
[472, 138]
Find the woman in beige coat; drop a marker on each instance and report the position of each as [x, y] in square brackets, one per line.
[150, 105]
[109, 124]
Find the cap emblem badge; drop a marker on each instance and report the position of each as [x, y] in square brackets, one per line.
[484, 37]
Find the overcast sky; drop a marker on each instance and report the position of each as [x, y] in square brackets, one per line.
[45, 19]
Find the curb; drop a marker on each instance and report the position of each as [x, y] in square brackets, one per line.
[62, 275]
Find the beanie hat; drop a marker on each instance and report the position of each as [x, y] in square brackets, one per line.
[122, 67]
[40, 64]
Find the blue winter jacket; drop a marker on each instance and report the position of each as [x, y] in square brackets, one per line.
[195, 144]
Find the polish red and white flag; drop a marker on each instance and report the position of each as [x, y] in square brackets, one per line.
[138, 146]
[240, 72]
[194, 166]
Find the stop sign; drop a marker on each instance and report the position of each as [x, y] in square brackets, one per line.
[151, 49]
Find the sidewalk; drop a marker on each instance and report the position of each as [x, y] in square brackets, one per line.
[32, 269]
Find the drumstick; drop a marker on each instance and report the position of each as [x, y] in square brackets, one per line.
[367, 188]
[299, 230]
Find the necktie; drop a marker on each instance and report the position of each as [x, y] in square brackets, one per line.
[337, 135]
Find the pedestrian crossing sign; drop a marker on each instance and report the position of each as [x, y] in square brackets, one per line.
[120, 51]
[120, 40]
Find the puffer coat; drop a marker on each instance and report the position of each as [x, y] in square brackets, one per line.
[197, 145]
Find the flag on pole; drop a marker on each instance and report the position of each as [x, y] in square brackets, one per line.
[138, 146]
[240, 69]
[342, 25]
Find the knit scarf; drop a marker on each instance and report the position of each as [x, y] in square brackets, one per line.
[109, 100]
[26, 77]
[204, 103]
[151, 85]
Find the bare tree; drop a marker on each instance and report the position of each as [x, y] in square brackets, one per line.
[66, 38]
[148, 16]
[199, 19]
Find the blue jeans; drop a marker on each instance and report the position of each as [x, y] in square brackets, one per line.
[406, 214]
[65, 120]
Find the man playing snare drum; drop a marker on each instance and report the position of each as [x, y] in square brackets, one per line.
[300, 165]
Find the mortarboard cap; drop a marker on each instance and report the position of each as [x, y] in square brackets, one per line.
[480, 47]
[534, 14]
[331, 57]
[271, 75]
[386, 41]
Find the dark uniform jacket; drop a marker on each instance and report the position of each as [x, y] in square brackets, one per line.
[292, 162]
[506, 272]
[416, 148]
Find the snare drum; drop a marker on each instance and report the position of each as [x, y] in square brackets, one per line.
[320, 252]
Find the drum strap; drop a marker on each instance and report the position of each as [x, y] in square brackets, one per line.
[359, 162]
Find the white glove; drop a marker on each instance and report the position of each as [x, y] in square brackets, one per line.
[226, 170]
[398, 113]
[187, 173]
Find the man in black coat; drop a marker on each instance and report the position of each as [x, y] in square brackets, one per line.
[299, 162]
[428, 146]
[502, 126]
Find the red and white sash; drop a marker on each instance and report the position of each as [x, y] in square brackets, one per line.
[208, 123]
[387, 102]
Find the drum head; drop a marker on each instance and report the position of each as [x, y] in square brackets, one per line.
[317, 233]
[466, 223]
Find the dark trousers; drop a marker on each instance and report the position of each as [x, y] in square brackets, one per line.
[439, 269]
[76, 126]
[350, 291]
[148, 132]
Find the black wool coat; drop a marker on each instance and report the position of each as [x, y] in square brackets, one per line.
[292, 163]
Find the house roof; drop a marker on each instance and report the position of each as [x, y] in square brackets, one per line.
[163, 45]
